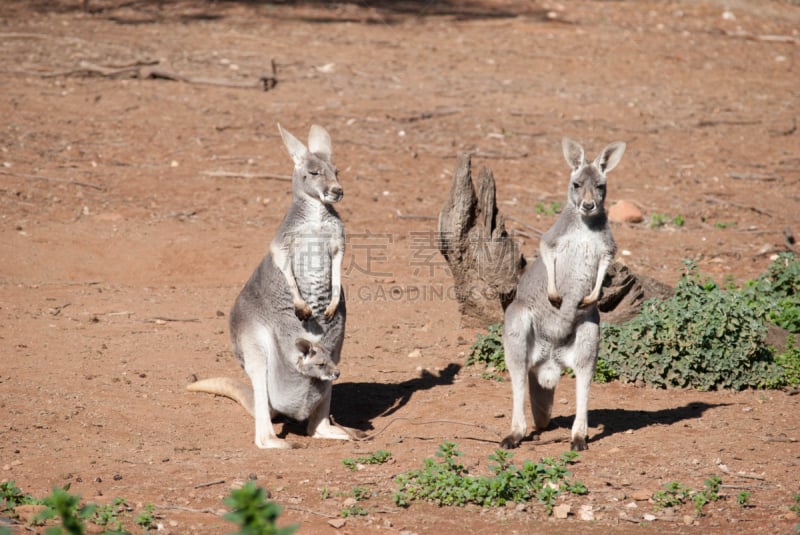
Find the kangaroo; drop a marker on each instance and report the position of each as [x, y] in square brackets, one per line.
[553, 322]
[311, 361]
[295, 292]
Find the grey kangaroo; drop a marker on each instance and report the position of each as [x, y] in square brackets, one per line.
[311, 361]
[553, 322]
[295, 292]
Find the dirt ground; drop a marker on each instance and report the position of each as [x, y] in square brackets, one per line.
[132, 210]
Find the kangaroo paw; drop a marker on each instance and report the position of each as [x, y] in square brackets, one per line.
[330, 311]
[554, 299]
[578, 444]
[589, 300]
[302, 310]
[510, 442]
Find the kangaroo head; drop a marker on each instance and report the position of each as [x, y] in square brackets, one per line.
[587, 189]
[314, 175]
[314, 361]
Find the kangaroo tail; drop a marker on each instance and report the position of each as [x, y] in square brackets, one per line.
[225, 386]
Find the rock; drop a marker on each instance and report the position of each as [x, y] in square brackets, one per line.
[337, 523]
[625, 212]
[641, 495]
[586, 513]
[562, 511]
[415, 354]
[649, 517]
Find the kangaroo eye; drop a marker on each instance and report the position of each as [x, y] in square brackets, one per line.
[313, 173]
[575, 185]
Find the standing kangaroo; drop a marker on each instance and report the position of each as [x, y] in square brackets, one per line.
[553, 322]
[294, 293]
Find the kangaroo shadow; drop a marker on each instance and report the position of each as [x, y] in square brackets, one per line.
[613, 421]
[357, 404]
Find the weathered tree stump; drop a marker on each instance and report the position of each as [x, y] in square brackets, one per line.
[485, 262]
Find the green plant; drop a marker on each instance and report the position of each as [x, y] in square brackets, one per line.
[253, 513]
[548, 209]
[379, 457]
[710, 493]
[796, 506]
[108, 515]
[657, 220]
[12, 496]
[725, 224]
[488, 349]
[777, 292]
[675, 494]
[678, 220]
[672, 495]
[447, 482]
[354, 510]
[61, 504]
[743, 499]
[147, 518]
[702, 337]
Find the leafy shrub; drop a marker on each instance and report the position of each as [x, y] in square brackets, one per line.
[488, 349]
[61, 504]
[777, 292]
[253, 513]
[447, 482]
[702, 337]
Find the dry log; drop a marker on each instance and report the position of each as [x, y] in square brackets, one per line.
[484, 260]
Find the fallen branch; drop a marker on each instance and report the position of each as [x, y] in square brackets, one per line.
[261, 176]
[56, 180]
[148, 70]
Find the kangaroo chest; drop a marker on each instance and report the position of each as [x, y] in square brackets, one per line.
[314, 242]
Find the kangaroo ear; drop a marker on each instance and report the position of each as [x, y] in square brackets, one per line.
[573, 153]
[304, 346]
[295, 147]
[319, 141]
[610, 156]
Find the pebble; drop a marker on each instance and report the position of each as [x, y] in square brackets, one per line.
[415, 354]
[337, 522]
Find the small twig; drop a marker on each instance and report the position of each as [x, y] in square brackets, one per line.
[309, 511]
[753, 176]
[415, 216]
[425, 115]
[770, 438]
[750, 476]
[715, 200]
[210, 484]
[709, 122]
[429, 422]
[261, 176]
[764, 38]
[156, 319]
[56, 180]
[207, 510]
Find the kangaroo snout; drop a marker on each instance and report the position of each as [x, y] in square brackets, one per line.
[334, 193]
